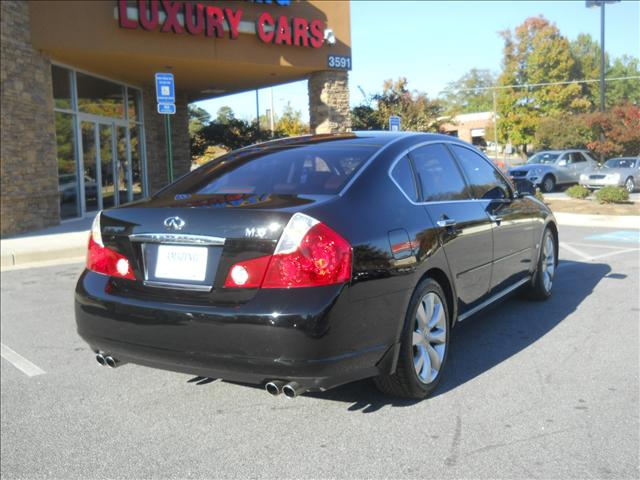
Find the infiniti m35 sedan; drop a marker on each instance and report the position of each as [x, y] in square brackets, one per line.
[306, 263]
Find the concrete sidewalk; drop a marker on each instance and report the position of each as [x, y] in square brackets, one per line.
[68, 241]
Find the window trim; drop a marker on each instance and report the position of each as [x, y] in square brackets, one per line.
[511, 187]
[446, 143]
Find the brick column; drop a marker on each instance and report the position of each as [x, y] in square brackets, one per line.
[156, 141]
[28, 165]
[329, 102]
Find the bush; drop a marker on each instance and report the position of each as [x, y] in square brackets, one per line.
[612, 195]
[539, 195]
[578, 191]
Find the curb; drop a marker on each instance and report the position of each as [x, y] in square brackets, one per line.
[12, 259]
[607, 221]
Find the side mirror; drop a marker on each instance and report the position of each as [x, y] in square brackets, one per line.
[524, 187]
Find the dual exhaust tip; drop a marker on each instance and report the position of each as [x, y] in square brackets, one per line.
[107, 360]
[289, 389]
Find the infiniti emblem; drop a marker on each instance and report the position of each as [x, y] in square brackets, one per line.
[175, 223]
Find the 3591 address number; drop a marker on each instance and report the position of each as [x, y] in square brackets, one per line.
[340, 62]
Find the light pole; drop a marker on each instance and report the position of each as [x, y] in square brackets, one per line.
[601, 4]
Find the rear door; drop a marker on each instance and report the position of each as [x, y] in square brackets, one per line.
[578, 165]
[511, 218]
[463, 224]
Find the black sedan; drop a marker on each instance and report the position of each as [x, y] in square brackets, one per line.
[306, 263]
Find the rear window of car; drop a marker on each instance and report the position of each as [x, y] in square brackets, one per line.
[306, 169]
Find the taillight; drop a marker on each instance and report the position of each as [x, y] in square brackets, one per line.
[309, 254]
[101, 259]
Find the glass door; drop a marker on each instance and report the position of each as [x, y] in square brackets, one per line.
[90, 166]
[101, 166]
[108, 167]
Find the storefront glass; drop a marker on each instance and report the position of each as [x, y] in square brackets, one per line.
[67, 166]
[109, 150]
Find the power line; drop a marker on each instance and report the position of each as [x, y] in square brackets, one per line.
[529, 85]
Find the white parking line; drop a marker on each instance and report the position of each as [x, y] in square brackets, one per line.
[589, 258]
[581, 254]
[21, 363]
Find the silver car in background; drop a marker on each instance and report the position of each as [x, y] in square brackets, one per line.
[551, 168]
[616, 172]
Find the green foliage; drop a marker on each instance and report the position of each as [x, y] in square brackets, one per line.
[225, 115]
[577, 191]
[417, 111]
[585, 52]
[290, 123]
[621, 127]
[363, 117]
[460, 99]
[563, 131]
[623, 91]
[612, 195]
[535, 52]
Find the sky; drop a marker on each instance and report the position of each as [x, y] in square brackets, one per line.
[433, 43]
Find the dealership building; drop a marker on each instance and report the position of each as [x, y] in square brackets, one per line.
[80, 124]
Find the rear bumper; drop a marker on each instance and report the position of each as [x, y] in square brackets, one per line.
[312, 336]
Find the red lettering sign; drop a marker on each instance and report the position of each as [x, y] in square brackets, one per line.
[198, 18]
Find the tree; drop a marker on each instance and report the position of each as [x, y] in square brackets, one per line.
[225, 115]
[562, 132]
[623, 91]
[290, 123]
[460, 99]
[585, 53]
[534, 53]
[621, 126]
[418, 113]
[198, 118]
[364, 117]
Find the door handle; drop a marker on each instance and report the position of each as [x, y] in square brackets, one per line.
[446, 222]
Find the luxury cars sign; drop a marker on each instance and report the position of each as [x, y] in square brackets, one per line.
[195, 18]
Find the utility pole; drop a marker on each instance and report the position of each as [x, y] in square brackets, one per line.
[271, 114]
[257, 111]
[495, 123]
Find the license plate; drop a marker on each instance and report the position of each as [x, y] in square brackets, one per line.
[181, 263]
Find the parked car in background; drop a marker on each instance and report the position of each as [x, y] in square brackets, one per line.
[305, 263]
[552, 168]
[616, 172]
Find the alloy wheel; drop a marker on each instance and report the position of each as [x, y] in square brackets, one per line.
[548, 262]
[429, 337]
[630, 185]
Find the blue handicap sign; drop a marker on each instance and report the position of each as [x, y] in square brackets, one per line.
[165, 88]
[167, 108]
[394, 123]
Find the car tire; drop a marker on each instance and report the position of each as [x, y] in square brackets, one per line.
[542, 282]
[548, 183]
[416, 376]
[630, 185]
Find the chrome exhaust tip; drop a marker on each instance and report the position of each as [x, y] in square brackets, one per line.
[100, 359]
[274, 387]
[293, 389]
[110, 361]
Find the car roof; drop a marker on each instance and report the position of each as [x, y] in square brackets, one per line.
[378, 138]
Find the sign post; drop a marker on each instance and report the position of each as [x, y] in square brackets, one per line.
[166, 99]
[394, 123]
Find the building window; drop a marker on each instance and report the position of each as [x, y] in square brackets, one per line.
[100, 139]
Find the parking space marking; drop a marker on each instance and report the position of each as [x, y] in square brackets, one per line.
[574, 250]
[623, 236]
[21, 363]
[588, 258]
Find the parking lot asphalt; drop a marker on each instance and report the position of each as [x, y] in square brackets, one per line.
[533, 390]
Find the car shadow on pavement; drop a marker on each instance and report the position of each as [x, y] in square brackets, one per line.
[491, 337]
